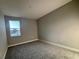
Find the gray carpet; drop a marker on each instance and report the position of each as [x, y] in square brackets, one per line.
[39, 50]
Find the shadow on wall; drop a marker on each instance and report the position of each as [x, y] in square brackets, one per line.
[62, 25]
[76, 4]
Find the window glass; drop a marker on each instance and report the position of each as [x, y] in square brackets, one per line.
[14, 28]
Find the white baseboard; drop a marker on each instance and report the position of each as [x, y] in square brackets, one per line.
[5, 54]
[23, 42]
[62, 46]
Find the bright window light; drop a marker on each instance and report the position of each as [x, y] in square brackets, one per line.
[14, 26]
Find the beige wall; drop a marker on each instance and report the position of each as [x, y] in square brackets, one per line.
[61, 26]
[3, 41]
[28, 30]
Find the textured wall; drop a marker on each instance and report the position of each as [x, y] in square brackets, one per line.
[28, 30]
[61, 26]
[3, 41]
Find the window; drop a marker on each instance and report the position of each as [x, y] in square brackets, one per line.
[14, 26]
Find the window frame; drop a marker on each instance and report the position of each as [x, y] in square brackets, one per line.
[20, 27]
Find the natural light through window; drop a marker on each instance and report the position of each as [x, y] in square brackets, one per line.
[14, 26]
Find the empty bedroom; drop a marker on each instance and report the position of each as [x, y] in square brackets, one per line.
[39, 29]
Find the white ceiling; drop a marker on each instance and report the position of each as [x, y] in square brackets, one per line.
[32, 9]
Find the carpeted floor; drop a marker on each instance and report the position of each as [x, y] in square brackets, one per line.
[39, 50]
